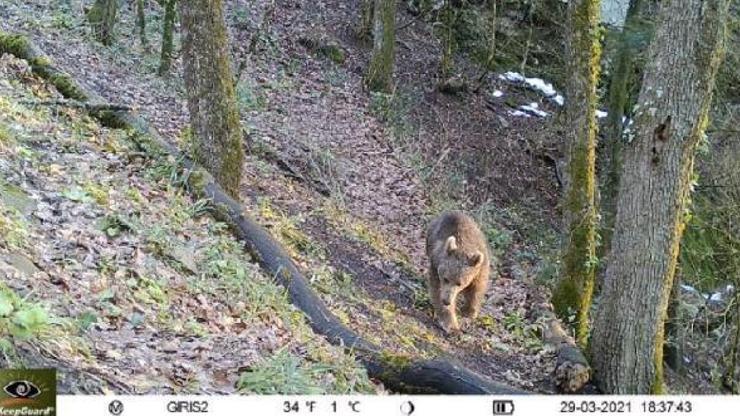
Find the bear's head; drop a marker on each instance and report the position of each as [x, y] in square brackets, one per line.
[456, 270]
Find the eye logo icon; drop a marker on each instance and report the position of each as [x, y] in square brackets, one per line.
[22, 389]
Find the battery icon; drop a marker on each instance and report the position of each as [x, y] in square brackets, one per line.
[503, 407]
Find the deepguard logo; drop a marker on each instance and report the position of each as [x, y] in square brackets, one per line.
[28, 392]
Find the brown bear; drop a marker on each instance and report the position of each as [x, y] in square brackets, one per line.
[459, 262]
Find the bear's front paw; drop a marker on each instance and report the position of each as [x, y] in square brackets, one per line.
[450, 328]
[470, 312]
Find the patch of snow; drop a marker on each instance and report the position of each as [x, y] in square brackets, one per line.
[716, 297]
[540, 85]
[498, 93]
[512, 76]
[601, 114]
[537, 84]
[614, 12]
[689, 288]
[534, 109]
[519, 113]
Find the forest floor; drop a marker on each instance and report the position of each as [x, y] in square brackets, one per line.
[345, 179]
[111, 274]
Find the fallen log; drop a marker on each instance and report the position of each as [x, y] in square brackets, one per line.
[77, 104]
[398, 373]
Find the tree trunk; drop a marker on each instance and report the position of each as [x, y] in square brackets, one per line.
[209, 85]
[364, 29]
[165, 59]
[491, 59]
[574, 290]
[141, 23]
[490, 62]
[448, 21]
[675, 332]
[102, 18]
[379, 75]
[619, 101]
[657, 165]
[731, 357]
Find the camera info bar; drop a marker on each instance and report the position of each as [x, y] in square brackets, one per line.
[396, 405]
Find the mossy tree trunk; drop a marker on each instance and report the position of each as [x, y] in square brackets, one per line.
[364, 29]
[379, 76]
[209, 86]
[583, 51]
[102, 19]
[168, 25]
[619, 100]
[448, 23]
[141, 22]
[673, 351]
[657, 166]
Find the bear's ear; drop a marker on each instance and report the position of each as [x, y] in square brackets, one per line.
[475, 259]
[451, 244]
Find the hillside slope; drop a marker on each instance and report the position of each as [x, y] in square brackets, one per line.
[111, 274]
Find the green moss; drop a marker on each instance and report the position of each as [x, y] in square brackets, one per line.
[67, 87]
[110, 119]
[198, 180]
[333, 52]
[13, 44]
[13, 229]
[393, 364]
[19, 46]
[5, 136]
[98, 193]
[41, 61]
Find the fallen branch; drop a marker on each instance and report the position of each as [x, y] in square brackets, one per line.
[398, 373]
[79, 104]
